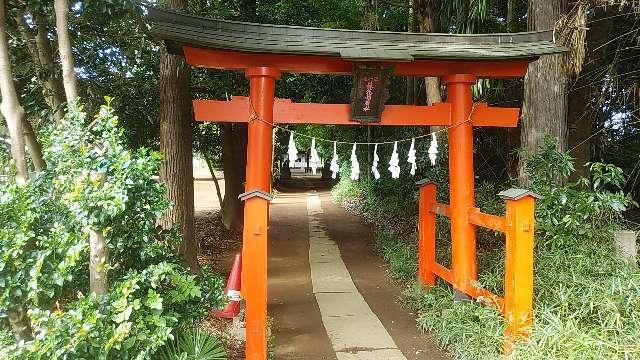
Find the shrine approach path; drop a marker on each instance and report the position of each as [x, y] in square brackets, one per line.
[329, 294]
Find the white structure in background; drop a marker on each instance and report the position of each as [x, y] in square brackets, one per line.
[374, 165]
[394, 162]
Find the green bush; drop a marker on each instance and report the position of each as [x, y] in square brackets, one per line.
[587, 300]
[44, 251]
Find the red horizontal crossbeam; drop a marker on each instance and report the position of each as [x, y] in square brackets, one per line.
[317, 64]
[484, 115]
[287, 112]
[488, 221]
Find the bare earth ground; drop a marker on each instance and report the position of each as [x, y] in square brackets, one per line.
[297, 328]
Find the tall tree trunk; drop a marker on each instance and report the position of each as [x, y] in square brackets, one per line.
[10, 107]
[234, 152]
[544, 110]
[176, 145]
[64, 48]
[34, 147]
[582, 104]
[14, 116]
[234, 161]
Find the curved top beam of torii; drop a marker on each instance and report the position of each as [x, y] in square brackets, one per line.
[226, 44]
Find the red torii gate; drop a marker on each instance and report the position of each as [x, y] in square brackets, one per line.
[263, 52]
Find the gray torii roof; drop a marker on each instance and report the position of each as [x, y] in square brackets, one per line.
[177, 30]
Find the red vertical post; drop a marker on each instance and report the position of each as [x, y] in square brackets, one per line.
[427, 234]
[463, 236]
[256, 209]
[518, 269]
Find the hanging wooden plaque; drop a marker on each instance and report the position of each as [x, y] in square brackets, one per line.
[369, 92]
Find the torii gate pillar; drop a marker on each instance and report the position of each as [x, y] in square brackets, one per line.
[256, 209]
[461, 187]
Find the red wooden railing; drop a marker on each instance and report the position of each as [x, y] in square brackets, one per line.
[518, 227]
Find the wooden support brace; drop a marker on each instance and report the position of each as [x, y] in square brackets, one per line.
[488, 221]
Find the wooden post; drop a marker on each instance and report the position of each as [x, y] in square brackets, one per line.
[256, 209]
[463, 236]
[427, 234]
[518, 274]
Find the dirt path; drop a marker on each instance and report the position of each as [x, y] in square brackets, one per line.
[364, 299]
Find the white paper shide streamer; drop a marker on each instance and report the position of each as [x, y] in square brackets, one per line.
[314, 160]
[292, 151]
[394, 162]
[433, 149]
[374, 165]
[335, 167]
[355, 165]
[411, 159]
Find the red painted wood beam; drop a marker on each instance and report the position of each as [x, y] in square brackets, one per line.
[488, 221]
[443, 273]
[315, 64]
[287, 112]
[484, 115]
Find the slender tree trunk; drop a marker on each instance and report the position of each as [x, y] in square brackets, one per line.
[511, 15]
[64, 48]
[40, 50]
[34, 147]
[98, 252]
[428, 17]
[370, 19]
[410, 96]
[213, 176]
[10, 107]
[176, 145]
[52, 87]
[20, 323]
[544, 110]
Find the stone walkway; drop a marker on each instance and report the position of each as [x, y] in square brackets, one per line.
[354, 330]
[329, 294]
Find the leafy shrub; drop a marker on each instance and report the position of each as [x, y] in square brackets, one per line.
[194, 344]
[44, 250]
[587, 300]
[588, 208]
